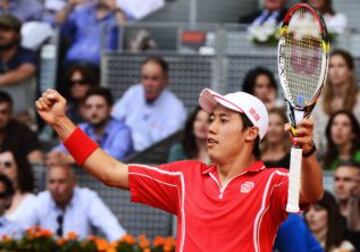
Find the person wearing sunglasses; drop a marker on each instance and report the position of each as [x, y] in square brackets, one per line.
[7, 227]
[18, 169]
[79, 80]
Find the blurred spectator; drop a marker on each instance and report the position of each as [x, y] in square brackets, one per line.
[343, 139]
[7, 228]
[274, 10]
[25, 10]
[275, 148]
[15, 135]
[18, 67]
[260, 82]
[325, 222]
[347, 191]
[113, 136]
[91, 29]
[157, 112]
[295, 236]
[65, 208]
[79, 79]
[19, 171]
[194, 141]
[336, 23]
[340, 92]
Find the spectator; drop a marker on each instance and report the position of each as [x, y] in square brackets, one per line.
[341, 92]
[275, 149]
[112, 135]
[19, 171]
[295, 236]
[18, 66]
[25, 10]
[347, 191]
[91, 29]
[325, 222]
[194, 141]
[336, 23]
[274, 10]
[65, 208]
[15, 135]
[157, 112]
[343, 139]
[7, 228]
[260, 82]
[79, 79]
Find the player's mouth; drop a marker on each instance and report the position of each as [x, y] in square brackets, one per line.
[212, 141]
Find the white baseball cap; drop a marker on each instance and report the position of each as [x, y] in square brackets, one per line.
[242, 102]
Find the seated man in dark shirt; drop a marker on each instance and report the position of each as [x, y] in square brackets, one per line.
[15, 135]
[17, 66]
[273, 10]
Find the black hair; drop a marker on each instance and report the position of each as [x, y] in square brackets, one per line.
[9, 188]
[88, 72]
[248, 124]
[103, 92]
[251, 76]
[158, 60]
[5, 98]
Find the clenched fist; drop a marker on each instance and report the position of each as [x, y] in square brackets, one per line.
[51, 106]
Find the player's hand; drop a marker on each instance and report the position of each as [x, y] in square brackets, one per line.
[304, 134]
[51, 106]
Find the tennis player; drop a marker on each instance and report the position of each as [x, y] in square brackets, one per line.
[236, 204]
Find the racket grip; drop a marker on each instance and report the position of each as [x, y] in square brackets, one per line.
[292, 205]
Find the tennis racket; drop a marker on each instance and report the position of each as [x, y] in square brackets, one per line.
[303, 52]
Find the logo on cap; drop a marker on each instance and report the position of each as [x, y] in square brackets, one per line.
[254, 114]
[247, 187]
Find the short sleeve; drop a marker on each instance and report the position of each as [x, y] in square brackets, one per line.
[279, 196]
[158, 187]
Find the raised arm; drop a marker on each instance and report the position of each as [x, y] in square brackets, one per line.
[52, 108]
[311, 173]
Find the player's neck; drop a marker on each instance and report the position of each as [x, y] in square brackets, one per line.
[234, 167]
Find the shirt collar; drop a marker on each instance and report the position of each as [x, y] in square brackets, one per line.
[255, 167]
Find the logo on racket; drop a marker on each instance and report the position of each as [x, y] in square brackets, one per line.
[304, 61]
[247, 187]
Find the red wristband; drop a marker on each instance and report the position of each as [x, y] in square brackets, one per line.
[80, 146]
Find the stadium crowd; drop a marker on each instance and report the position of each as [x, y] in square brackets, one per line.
[149, 112]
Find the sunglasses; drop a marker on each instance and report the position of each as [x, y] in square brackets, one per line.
[80, 82]
[7, 164]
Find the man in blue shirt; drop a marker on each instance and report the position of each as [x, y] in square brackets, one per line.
[7, 227]
[91, 29]
[112, 135]
[150, 109]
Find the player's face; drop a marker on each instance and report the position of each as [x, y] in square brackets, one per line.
[316, 218]
[225, 136]
[276, 133]
[60, 184]
[339, 72]
[263, 89]
[273, 4]
[341, 130]
[97, 110]
[153, 79]
[347, 181]
[201, 125]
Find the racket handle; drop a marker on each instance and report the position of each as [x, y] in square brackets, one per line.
[292, 205]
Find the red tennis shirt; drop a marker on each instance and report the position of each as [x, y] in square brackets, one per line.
[242, 215]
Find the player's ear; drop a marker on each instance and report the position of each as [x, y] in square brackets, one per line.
[252, 133]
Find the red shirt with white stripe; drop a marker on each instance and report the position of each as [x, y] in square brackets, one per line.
[242, 215]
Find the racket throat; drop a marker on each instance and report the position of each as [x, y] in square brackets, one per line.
[295, 115]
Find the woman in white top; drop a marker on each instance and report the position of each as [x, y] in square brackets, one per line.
[336, 23]
[18, 169]
[327, 225]
[341, 92]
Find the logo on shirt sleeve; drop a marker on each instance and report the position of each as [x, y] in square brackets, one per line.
[247, 186]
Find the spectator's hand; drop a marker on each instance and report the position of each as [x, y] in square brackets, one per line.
[304, 134]
[58, 158]
[51, 106]
[111, 4]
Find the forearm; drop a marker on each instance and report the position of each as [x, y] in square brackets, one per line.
[16, 76]
[62, 15]
[311, 180]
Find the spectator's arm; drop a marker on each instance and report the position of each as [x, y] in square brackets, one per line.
[122, 144]
[23, 72]
[62, 16]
